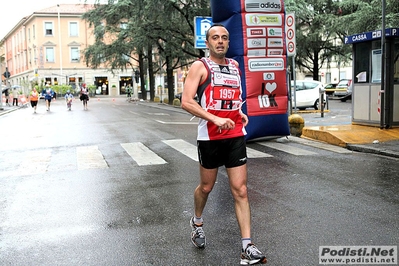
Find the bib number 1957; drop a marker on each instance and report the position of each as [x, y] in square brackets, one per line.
[225, 93]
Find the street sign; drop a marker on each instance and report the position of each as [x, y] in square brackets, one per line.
[201, 26]
[290, 34]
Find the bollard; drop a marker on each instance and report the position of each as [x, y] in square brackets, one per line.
[321, 100]
[296, 123]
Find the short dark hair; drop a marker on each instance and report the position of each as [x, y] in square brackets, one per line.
[214, 25]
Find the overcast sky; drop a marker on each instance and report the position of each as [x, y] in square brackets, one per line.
[14, 10]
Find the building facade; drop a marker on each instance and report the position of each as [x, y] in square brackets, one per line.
[46, 48]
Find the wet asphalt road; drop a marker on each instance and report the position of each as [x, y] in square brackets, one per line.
[54, 213]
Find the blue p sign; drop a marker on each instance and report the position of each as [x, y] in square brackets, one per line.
[202, 24]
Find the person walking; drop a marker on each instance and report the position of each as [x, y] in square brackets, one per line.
[84, 95]
[129, 92]
[48, 96]
[69, 99]
[220, 137]
[34, 98]
[7, 95]
[14, 96]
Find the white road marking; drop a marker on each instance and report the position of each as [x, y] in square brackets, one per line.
[251, 153]
[141, 154]
[184, 147]
[89, 157]
[286, 148]
[177, 123]
[34, 162]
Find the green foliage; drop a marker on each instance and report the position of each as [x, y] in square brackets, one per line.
[358, 16]
[61, 89]
[323, 24]
[92, 89]
[145, 31]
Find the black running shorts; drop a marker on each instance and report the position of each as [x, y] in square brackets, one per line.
[228, 152]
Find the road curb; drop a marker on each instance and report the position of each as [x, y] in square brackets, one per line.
[368, 149]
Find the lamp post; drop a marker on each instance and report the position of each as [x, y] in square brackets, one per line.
[160, 77]
[383, 122]
[136, 76]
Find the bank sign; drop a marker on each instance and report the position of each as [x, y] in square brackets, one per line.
[371, 35]
[201, 26]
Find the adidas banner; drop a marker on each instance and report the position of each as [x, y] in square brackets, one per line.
[257, 42]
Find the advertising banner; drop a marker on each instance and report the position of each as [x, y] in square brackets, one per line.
[257, 42]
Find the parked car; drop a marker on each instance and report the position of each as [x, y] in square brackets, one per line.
[330, 88]
[307, 94]
[343, 88]
[179, 95]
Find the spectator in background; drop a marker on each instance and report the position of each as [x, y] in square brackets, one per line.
[7, 94]
[15, 97]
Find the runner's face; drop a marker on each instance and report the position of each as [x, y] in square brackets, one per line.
[218, 42]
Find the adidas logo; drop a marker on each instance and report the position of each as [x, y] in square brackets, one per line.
[225, 70]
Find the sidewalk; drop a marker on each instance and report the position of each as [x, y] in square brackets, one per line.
[7, 109]
[357, 138]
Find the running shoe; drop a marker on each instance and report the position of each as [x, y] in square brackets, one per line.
[252, 255]
[197, 234]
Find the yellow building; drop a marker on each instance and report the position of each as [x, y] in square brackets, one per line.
[47, 47]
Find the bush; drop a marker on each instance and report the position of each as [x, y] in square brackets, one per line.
[62, 89]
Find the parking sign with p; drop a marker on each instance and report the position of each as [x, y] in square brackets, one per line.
[201, 26]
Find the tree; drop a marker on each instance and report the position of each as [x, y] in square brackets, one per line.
[323, 24]
[315, 34]
[165, 27]
[358, 16]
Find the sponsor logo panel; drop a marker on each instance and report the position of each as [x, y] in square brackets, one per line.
[265, 64]
[273, 6]
[256, 43]
[275, 32]
[275, 42]
[256, 53]
[264, 19]
[256, 32]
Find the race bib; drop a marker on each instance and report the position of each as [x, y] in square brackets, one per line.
[226, 93]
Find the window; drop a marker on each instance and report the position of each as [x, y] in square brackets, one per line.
[34, 32]
[396, 61]
[49, 54]
[73, 29]
[48, 27]
[75, 56]
[362, 61]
